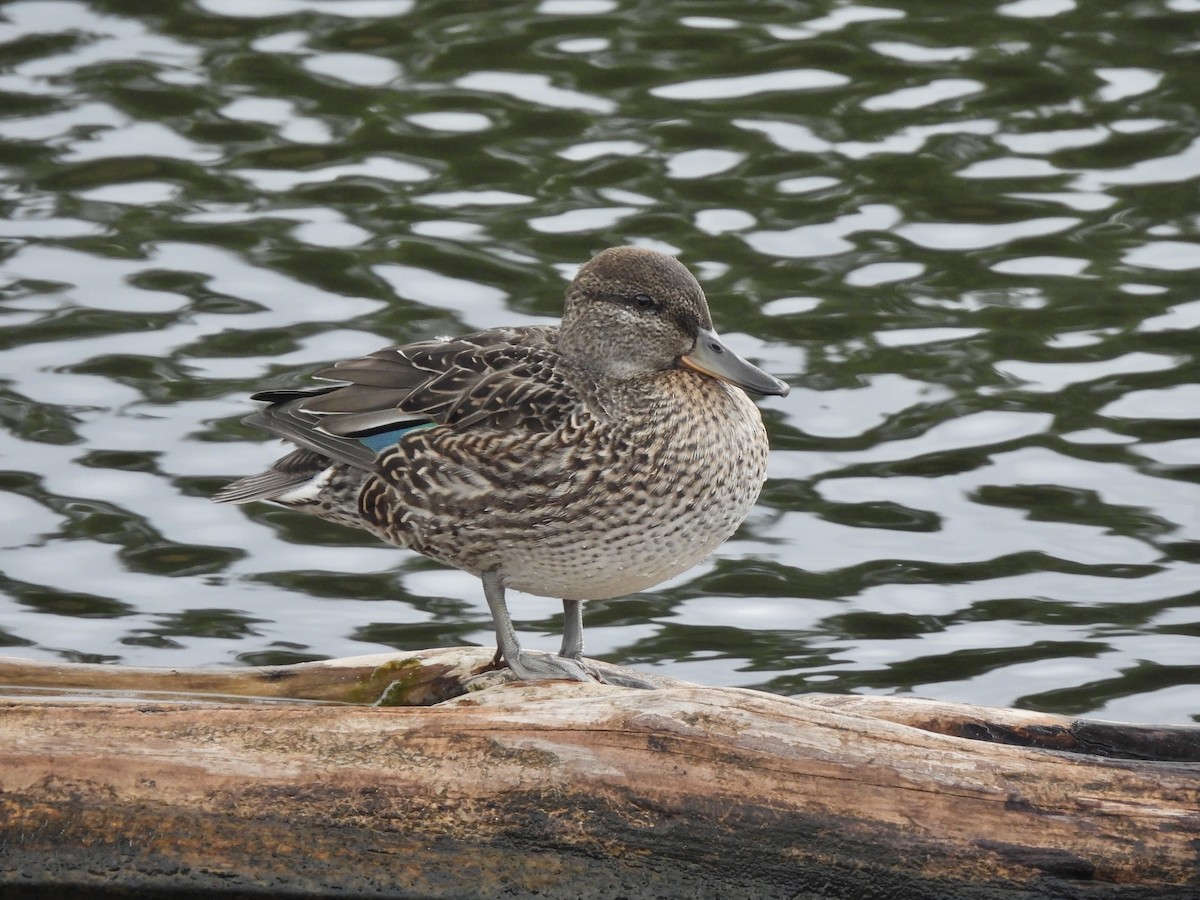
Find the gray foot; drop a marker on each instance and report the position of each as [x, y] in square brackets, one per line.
[568, 665]
[528, 666]
[543, 667]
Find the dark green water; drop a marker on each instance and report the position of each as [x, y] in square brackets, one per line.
[966, 234]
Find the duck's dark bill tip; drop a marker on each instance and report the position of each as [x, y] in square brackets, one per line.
[711, 357]
[780, 389]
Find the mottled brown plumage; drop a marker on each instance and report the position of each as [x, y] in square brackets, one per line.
[581, 462]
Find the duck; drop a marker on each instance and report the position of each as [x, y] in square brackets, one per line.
[583, 461]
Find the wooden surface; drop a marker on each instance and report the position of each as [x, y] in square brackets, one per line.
[274, 782]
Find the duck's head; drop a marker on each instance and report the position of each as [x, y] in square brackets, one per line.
[632, 312]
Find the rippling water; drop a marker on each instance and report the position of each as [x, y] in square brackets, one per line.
[966, 236]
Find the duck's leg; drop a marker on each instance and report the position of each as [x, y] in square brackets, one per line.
[572, 648]
[530, 667]
[572, 642]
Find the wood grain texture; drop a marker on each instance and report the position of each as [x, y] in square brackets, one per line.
[569, 790]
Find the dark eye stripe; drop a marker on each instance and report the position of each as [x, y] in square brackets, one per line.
[640, 300]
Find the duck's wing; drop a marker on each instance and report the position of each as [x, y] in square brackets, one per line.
[502, 379]
[314, 449]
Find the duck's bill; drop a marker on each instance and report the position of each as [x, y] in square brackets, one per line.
[711, 357]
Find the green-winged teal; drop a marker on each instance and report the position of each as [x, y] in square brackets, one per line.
[586, 461]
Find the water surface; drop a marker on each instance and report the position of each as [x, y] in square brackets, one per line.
[967, 236]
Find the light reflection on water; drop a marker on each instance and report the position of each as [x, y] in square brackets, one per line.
[969, 241]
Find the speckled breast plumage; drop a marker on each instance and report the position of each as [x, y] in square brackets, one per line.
[606, 504]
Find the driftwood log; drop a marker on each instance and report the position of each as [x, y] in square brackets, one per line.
[418, 776]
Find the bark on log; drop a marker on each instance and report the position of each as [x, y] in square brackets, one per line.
[181, 783]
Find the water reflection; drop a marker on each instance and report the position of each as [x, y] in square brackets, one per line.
[968, 239]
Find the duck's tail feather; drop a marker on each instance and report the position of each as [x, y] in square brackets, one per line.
[289, 475]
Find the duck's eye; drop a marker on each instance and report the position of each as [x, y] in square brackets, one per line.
[643, 301]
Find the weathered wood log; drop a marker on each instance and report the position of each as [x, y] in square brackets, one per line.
[227, 782]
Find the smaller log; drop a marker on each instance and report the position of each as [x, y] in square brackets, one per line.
[307, 780]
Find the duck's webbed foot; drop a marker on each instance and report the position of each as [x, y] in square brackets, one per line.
[545, 666]
[528, 666]
[567, 665]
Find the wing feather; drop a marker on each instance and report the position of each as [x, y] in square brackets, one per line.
[503, 379]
